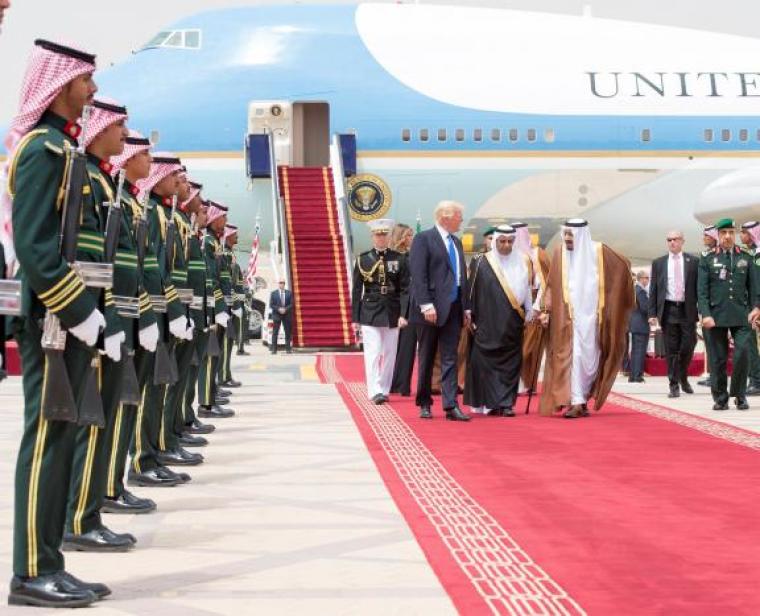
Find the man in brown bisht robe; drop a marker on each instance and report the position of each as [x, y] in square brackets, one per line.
[589, 298]
[535, 336]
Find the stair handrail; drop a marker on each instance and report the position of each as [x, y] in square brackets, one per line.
[278, 214]
[341, 199]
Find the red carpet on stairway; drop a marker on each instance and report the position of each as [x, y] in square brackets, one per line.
[637, 510]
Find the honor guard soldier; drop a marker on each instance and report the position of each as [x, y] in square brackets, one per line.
[47, 198]
[130, 167]
[231, 289]
[106, 135]
[158, 190]
[726, 292]
[218, 314]
[380, 296]
[196, 277]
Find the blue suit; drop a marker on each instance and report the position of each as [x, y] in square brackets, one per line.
[434, 281]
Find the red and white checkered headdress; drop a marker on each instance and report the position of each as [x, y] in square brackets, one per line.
[51, 66]
[163, 165]
[229, 231]
[215, 211]
[195, 190]
[105, 111]
[136, 143]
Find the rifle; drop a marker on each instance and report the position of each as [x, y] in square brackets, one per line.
[162, 368]
[58, 401]
[213, 349]
[127, 307]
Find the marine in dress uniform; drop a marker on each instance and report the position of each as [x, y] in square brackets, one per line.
[57, 85]
[726, 292]
[380, 296]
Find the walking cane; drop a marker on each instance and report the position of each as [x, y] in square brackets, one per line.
[534, 384]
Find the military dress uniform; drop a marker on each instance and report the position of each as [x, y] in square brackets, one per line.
[726, 288]
[224, 375]
[380, 297]
[207, 386]
[128, 281]
[91, 462]
[46, 454]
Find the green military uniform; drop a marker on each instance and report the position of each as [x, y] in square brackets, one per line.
[45, 456]
[157, 282]
[226, 282]
[196, 278]
[88, 481]
[128, 281]
[212, 252]
[725, 292]
[754, 355]
[172, 422]
[238, 290]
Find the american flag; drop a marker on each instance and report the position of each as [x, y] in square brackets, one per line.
[253, 260]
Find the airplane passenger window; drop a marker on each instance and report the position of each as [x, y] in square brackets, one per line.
[424, 134]
[646, 134]
[725, 134]
[406, 134]
[744, 135]
[459, 134]
[495, 134]
[513, 134]
[441, 134]
[477, 134]
[549, 135]
[709, 135]
[531, 134]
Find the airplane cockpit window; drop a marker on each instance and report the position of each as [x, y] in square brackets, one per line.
[175, 39]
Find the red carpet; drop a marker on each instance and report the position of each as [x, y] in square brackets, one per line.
[317, 262]
[637, 510]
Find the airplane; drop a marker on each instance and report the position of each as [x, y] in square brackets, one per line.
[518, 115]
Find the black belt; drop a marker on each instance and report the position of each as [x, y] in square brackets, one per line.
[667, 301]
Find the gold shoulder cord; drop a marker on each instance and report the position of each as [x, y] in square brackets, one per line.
[379, 267]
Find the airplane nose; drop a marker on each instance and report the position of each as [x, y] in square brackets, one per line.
[734, 195]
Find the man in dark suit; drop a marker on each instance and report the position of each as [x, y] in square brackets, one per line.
[639, 328]
[439, 306]
[673, 303]
[281, 310]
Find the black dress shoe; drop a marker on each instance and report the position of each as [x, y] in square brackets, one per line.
[127, 502]
[674, 392]
[720, 406]
[378, 399]
[178, 457]
[232, 383]
[289, 351]
[741, 403]
[456, 414]
[97, 540]
[425, 413]
[101, 590]
[221, 400]
[190, 440]
[225, 393]
[506, 412]
[198, 427]
[686, 387]
[165, 471]
[243, 353]
[218, 412]
[752, 390]
[151, 479]
[705, 382]
[52, 590]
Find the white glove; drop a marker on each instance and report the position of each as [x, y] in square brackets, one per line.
[149, 338]
[178, 326]
[87, 331]
[238, 312]
[113, 346]
[189, 334]
[221, 318]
